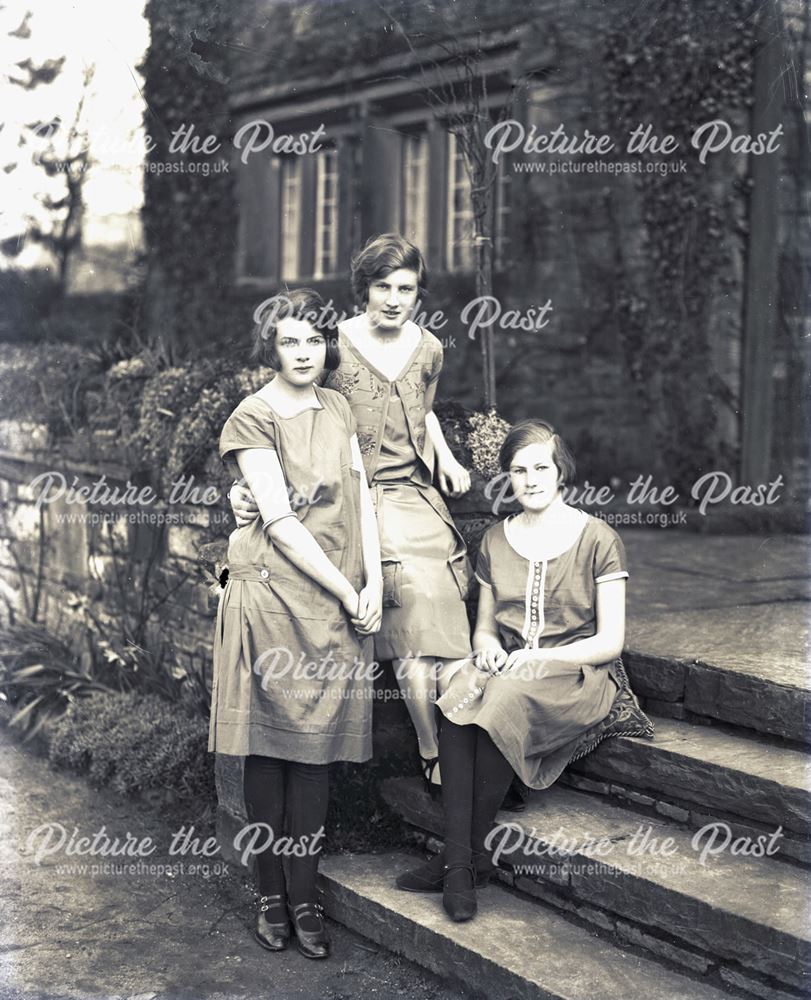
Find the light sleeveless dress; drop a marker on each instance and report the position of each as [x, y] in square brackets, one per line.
[426, 572]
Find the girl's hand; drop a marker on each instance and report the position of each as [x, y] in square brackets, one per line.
[370, 609]
[454, 479]
[519, 657]
[490, 660]
[351, 603]
[243, 505]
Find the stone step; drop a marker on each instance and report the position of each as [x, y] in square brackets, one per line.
[514, 948]
[699, 773]
[577, 852]
[774, 700]
[719, 627]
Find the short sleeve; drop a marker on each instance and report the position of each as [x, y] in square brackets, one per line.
[436, 360]
[483, 570]
[347, 414]
[609, 556]
[247, 427]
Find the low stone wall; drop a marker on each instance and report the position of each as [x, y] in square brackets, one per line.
[117, 557]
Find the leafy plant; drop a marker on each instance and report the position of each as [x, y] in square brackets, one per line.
[475, 437]
[40, 675]
[135, 743]
[673, 71]
[48, 383]
[486, 436]
[128, 636]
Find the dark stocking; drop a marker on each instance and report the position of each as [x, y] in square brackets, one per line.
[264, 803]
[457, 751]
[475, 778]
[307, 799]
[493, 777]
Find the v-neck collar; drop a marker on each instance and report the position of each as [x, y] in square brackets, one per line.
[307, 409]
[373, 368]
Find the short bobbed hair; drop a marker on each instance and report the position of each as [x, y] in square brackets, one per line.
[383, 254]
[303, 304]
[535, 431]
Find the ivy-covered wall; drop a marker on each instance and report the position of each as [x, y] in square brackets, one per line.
[189, 211]
[641, 362]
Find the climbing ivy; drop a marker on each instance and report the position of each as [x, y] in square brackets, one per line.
[683, 65]
[189, 209]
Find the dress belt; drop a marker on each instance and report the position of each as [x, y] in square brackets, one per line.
[248, 571]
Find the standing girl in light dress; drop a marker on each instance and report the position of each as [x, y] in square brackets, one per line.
[388, 372]
[292, 685]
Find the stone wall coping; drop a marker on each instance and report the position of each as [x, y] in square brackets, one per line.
[46, 457]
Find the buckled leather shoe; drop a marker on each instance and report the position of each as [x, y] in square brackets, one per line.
[274, 937]
[459, 899]
[311, 944]
[430, 876]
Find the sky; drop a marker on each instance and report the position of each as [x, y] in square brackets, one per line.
[112, 37]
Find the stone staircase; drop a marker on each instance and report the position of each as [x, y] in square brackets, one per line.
[680, 864]
[677, 867]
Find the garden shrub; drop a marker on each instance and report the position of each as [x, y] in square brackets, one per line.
[486, 436]
[133, 744]
[182, 411]
[474, 436]
[48, 384]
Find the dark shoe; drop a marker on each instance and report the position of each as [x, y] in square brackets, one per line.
[274, 937]
[311, 944]
[429, 765]
[459, 892]
[429, 877]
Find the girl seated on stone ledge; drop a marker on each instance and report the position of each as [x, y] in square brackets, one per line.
[544, 683]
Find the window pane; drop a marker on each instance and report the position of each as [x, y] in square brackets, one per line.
[291, 210]
[326, 214]
[415, 193]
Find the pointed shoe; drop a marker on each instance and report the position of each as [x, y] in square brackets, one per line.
[459, 892]
[274, 937]
[430, 876]
[311, 944]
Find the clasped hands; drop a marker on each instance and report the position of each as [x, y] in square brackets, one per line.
[496, 660]
[365, 608]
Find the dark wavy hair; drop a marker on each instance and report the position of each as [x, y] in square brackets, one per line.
[380, 256]
[304, 304]
[533, 431]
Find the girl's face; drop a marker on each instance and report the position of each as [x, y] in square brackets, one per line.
[534, 477]
[392, 299]
[301, 351]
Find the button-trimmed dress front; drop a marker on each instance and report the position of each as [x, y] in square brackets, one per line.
[537, 714]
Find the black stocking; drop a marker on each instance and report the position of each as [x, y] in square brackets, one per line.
[457, 754]
[494, 774]
[270, 785]
[264, 803]
[307, 800]
[475, 779]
